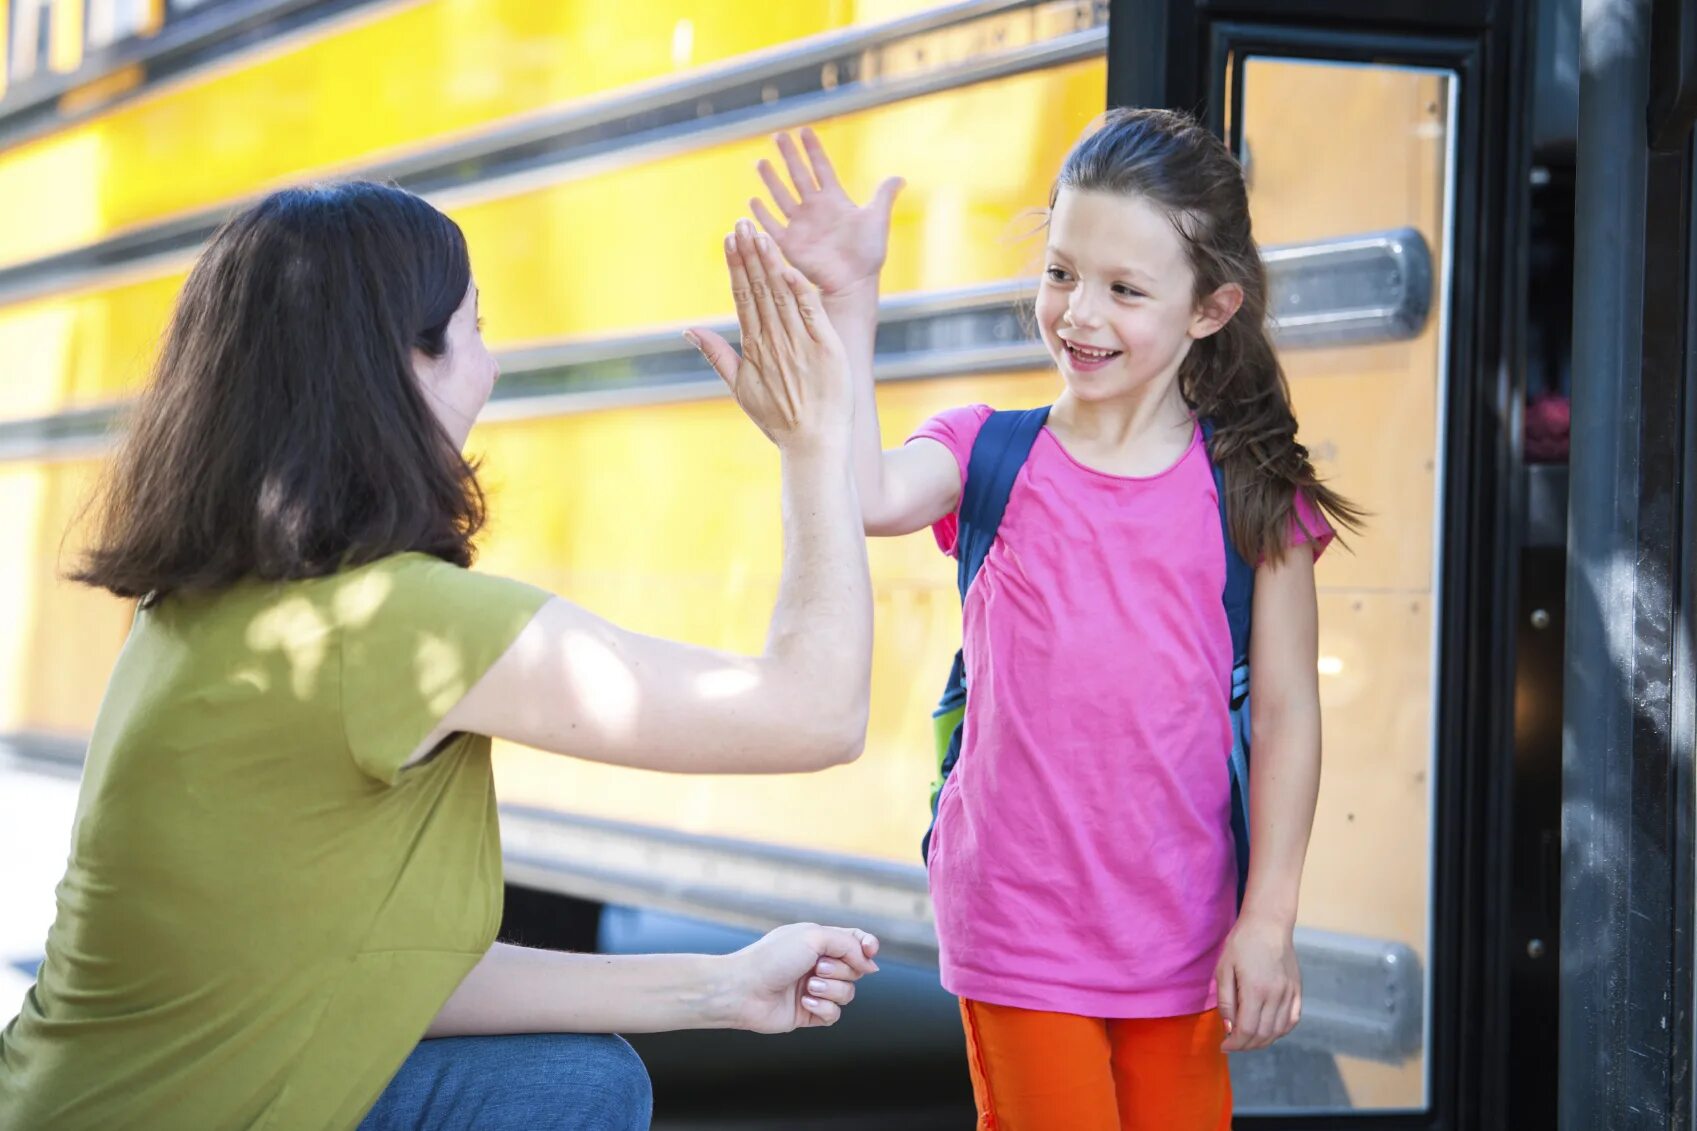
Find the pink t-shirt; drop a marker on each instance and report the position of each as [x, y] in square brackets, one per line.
[1082, 860]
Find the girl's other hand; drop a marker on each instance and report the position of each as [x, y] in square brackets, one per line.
[836, 244]
[792, 378]
[1260, 987]
[800, 976]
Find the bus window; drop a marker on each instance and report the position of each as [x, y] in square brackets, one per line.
[111, 21]
[1333, 149]
[31, 21]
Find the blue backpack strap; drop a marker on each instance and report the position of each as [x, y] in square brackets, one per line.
[1000, 450]
[1238, 599]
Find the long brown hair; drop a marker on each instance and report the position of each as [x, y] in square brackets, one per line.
[283, 434]
[1233, 376]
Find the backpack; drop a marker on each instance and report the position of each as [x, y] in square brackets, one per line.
[997, 455]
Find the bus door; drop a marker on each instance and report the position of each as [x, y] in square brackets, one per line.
[1392, 134]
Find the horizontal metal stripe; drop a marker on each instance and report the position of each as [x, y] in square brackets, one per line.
[1380, 284]
[772, 90]
[1361, 997]
[194, 39]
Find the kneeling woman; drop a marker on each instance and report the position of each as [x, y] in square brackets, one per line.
[286, 869]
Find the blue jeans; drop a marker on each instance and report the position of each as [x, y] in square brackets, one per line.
[525, 1082]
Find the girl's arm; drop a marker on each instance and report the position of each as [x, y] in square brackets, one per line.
[797, 976]
[1260, 985]
[573, 683]
[840, 248]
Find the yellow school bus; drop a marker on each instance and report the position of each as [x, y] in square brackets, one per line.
[594, 154]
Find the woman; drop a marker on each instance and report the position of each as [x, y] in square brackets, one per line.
[286, 867]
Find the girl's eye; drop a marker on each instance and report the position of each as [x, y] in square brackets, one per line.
[1126, 292]
[1056, 275]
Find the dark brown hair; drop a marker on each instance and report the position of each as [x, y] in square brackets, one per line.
[283, 434]
[1233, 376]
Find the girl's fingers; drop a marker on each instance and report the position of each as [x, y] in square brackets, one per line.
[885, 197]
[824, 1012]
[1282, 1022]
[762, 214]
[822, 168]
[776, 186]
[1226, 982]
[1266, 1017]
[800, 174]
[742, 289]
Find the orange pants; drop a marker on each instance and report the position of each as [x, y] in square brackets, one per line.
[1034, 1071]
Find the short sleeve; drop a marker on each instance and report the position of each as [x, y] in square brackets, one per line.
[1307, 524]
[956, 429]
[416, 634]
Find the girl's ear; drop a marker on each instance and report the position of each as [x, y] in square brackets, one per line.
[1216, 310]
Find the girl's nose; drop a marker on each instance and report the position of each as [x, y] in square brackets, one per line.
[1081, 311]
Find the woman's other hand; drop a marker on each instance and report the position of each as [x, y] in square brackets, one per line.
[798, 977]
[792, 378]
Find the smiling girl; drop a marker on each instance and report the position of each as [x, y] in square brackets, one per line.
[1083, 864]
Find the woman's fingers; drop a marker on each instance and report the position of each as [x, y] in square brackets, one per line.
[824, 1012]
[718, 353]
[759, 281]
[786, 298]
[810, 309]
[775, 185]
[742, 289]
[830, 989]
[800, 174]
[841, 953]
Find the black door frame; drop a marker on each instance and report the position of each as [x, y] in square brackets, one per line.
[1176, 53]
[1627, 861]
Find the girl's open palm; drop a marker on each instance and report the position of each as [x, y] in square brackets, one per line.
[835, 243]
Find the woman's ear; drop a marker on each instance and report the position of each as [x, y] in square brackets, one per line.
[424, 367]
[1216, 310]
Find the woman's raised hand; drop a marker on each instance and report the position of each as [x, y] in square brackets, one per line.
[792, 378]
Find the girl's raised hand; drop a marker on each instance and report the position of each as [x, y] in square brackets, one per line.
[832, 241]
[792, 378]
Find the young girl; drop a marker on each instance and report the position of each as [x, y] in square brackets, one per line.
[1083, 866]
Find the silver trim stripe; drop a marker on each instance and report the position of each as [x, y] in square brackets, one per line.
[826, 76]
[1379, 286]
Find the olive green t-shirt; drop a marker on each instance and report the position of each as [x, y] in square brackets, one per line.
[264, 907]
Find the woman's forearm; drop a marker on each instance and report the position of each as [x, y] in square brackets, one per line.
[517, 990]
[819, 644]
